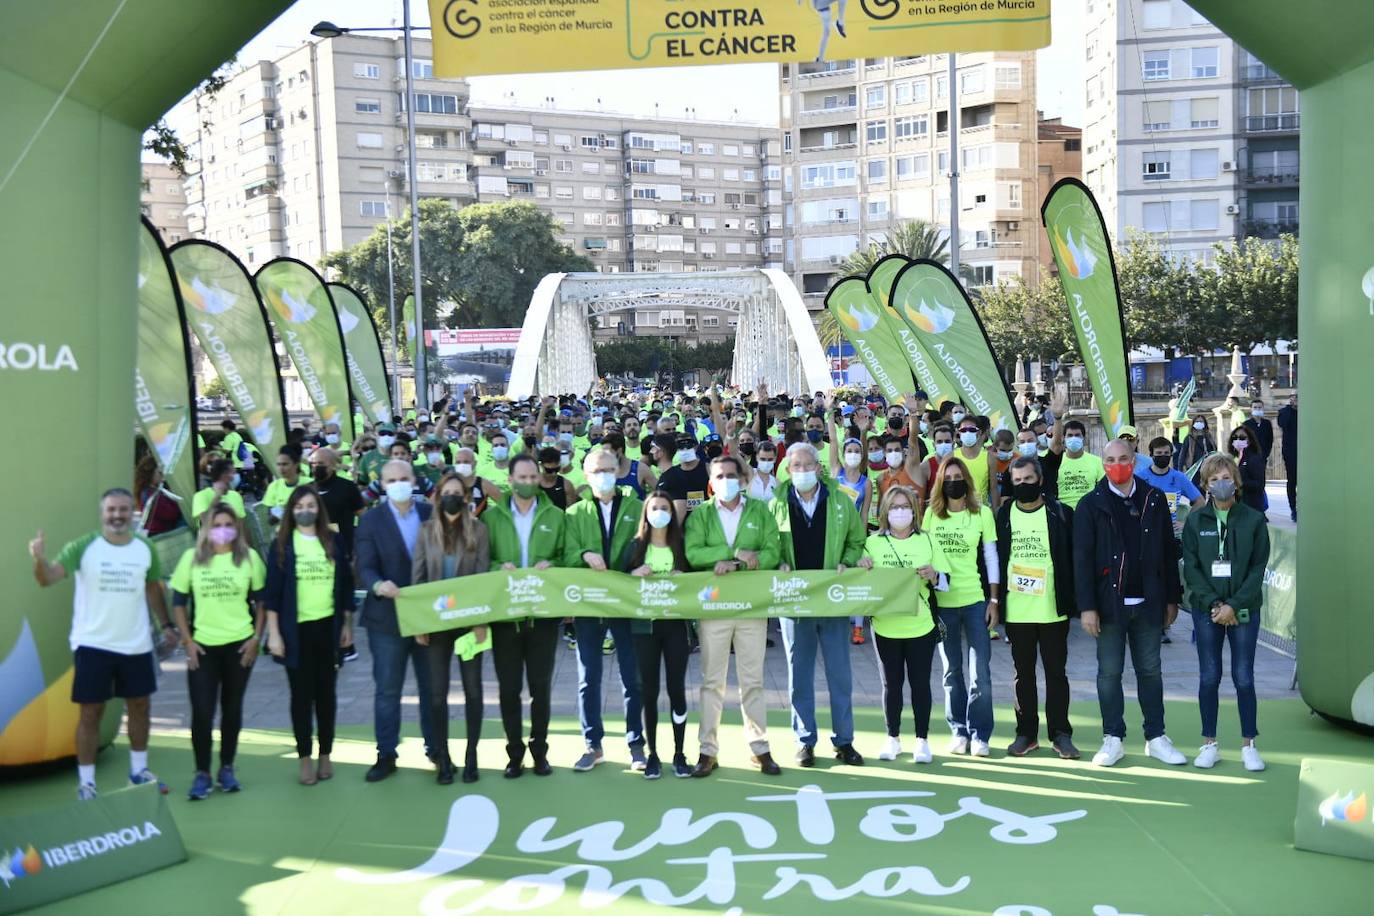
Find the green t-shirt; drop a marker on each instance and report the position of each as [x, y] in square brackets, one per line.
[220, 591]
[1030, 570]
[370, 467]
[230, 444]
[204, 499]
[659, 559]
[959, 537]
[1078, 476]
[314, 579]
[278, 492]
[906, 553]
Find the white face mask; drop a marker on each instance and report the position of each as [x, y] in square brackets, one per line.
[875, 457]
[684, 457]
[958, 415]
[1027, 449]
[968, 440]
[804, 481]
[729, 489]
[659, 518]
[1199, 425]
[899, 518]
[1257, 411]
[603, 482]
[434, 458]
[852, 459]
[943, 449]
[766, 465]
[331, 438]
[1043, 440]
[894, 459]
[400, 491]
[1004, 455]
[464, 470]
[385, 442]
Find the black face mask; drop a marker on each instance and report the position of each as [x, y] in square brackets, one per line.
[319, 472]
[748, 449]
[1026, 492]
[955, 489]
[451, 503]
[531, 441]
[1160, 461]
[713, 450]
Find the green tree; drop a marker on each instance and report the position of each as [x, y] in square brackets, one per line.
[485, 259]
[215, 388]
[1027, 319]
[1250, 296]
[161, 140]
[1162, 298]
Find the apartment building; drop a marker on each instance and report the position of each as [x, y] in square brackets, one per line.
[1187, 136]
[163, 200]
[1059, 155]
[866, 146]
[306, 154]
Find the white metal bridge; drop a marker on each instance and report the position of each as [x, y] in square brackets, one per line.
[775, 339]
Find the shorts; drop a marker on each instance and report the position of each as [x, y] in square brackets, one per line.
[101, 675]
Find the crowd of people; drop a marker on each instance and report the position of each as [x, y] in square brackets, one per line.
[1022, 529]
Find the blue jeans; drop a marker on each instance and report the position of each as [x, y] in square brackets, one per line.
[389, 655]
[1243, 637]
[800, 639]
[967, 710]
[590, 631]
[1141, 628]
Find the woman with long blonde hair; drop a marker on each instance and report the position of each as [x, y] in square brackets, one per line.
[966, 533]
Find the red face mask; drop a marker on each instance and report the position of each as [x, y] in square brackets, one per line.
[1120, 474]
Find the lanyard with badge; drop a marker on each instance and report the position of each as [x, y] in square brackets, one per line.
[1221, 566]
[926, 593]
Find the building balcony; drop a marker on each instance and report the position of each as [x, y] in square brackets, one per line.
[1271, 177]
[1267, 229]
[1259, 73]
[823, 153]
[1272, 123]
[823, 79]
[845, 113]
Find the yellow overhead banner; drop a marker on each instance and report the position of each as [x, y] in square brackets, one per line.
[477, 37]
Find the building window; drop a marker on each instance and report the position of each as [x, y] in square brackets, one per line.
[422, 69]
[1155, 65]
[1014, 195]
[563, 192]
[877, 209]
[376, 208]
[1158, 115]
[1202, 163]
[367, 71]
[1155, 167]
[435, 103]
[706, 171]
[911, 127]
[982, 275]
[971, 80]
[1203, 214]
[875, 131]
[729, 174]
[562, 165]
[1155, 217]
[1157, 14]
[706, 149]
[589, 142]
[1205, 63]
[1008, 76]
[368, 140]
[367, 106]
[877, 170]
[1204, 113]
[875, 97]
[729, 149]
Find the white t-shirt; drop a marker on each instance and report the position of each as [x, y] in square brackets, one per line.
[110, 606]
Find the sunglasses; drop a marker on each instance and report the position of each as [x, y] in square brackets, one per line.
[968, 429]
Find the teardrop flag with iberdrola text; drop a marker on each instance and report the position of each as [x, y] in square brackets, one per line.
[366, 366]
[928, 372]
[861, 321]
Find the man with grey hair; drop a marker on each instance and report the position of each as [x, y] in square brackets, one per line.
[386, 543]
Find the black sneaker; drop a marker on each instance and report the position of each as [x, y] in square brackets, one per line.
[350, 654]
[652, 768]
[1023, 746]
[1164, 637]
[1065, 749]
[681, 768]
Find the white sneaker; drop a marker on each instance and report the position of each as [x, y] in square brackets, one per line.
[1250, 756]
[921, 753]
[1163, 750]
[1207, 756]
[958, 745]
[1111, 751]
[892, 749]
[979, 748]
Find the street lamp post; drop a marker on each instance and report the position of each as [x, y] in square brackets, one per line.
[326, 29]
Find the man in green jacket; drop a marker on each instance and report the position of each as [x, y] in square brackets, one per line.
[726, 534]
[596, 532]
[526, 532]
[818, 531]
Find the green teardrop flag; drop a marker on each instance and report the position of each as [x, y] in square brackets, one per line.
[408, 329]
[228, 319]
[861, 322]
[928, 373]
[164, 397]
[1087, 272]
[366, 366]
[303, 312]
[934, 306]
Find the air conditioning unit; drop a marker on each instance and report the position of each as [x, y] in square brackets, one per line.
[510, 143]
[708, 256]
[702, 231]
[734, 206]
[835, 259]
[1232, 209]
[541, 171]
[1013, 225]
[1228, 166]
[567, 147]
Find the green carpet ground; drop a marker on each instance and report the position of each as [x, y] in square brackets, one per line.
[1150, 839]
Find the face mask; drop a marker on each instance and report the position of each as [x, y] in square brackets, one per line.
[1239, 444]
[565, 437]
[925, 428]
[798, 411]
[852, 459]
[729, 489]
[1026, 492]
[804, 481]
[223, 534]
[814, 436]
[238, 479]
[1257, 411]
[400, 491]
[1199, 425]
[685, 456]
[1042, 440]
[319, 472]
[944, 449]
[659, 518]
[530, 441]
[714, 451]
[748, 449]
[1073, 443]
[1004, 455]
[451, 503]
[603, 482]
[1027, 449]
[1224, 490]
[499, 452]
[1120, 474]
[899, 518]
[958, 415]
[968, 440]
[525, 490]
[464, 470]
[875, 457]
[766, 465]
[894, 459]
[565, 459]
[306, 518]
[385, 442]
[331, 438]
[643, 415]
[955, 489]
[1161, 461]
[435, 459]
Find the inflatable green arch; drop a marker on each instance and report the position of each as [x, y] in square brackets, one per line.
[81, 80]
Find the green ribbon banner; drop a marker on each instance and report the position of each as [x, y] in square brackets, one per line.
[308, 327]
[928, 372]
[366, 366]
[55, 854]
[862, 322]
[558, 593]
[163, 389]
[229, 322]
[1087, 272]
[937, 310]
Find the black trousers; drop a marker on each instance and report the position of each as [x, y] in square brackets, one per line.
[1290, 469]
[440, 676]
[312, 685]
[666, 647]
[219, 679]
[523, 654]
[906, 660]
[1051, 642]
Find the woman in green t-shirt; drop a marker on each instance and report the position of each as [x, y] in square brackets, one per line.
[309, 600]
[220, 580]
[657, 550]
[905, 644]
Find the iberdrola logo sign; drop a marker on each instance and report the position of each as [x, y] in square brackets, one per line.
[862, 321]
[1081, 251]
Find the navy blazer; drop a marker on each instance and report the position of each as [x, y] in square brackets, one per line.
[382, 557]
[279, 595]
[1099, 554]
